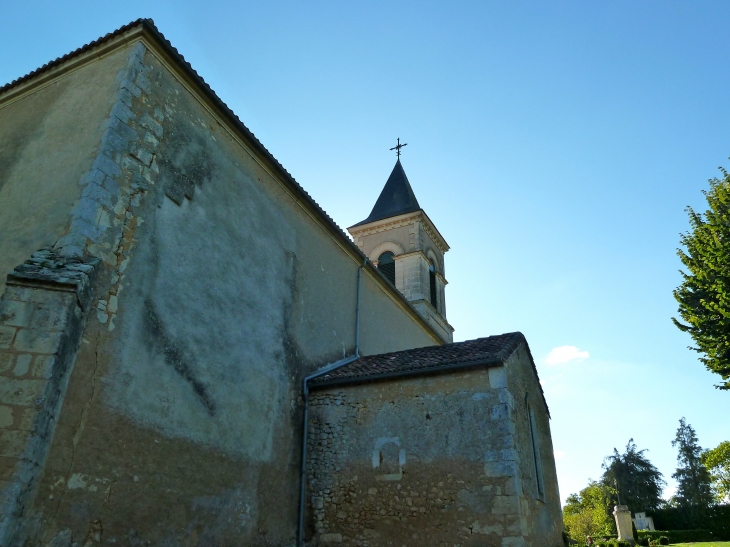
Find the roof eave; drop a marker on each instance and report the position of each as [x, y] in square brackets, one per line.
[407, 373]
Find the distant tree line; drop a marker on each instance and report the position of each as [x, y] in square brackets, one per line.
[629, 478]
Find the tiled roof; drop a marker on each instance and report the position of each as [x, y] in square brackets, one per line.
[482, 351]
[149, 25]
[79, 51]
[396, 198]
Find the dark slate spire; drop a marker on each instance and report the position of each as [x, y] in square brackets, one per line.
[397, 197]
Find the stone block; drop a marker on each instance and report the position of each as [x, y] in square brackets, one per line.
[8, 467]
[506, 397]
[21, 392]
[83, 227]
[330, 538]
[120, 127]
[6, 417]
[13, 442]
[499, 412]
[125, 96]
[107, 165]
[6, 362]
[111, 140]
[15, 313]
[129, 85]
[22, 364]
[26, 421]
[153, 125]
[96, 193]
[122, 111]
[515, 525]
[14, 292]
[513, 486]
[6, 336]
[138, 51]
[43, 366]
[497, 377]
[87, 208]
[514, 541]
[50, 316]
[500, 469]
[38, 341]
[506, 505]
[142, 154]
[143, 82]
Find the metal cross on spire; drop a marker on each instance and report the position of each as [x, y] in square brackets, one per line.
[398, 146]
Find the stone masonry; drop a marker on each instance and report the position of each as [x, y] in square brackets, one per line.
[403, 492]
[46, 301]
[41, 319]
[434, 459]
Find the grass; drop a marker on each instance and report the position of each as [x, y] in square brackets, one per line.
[703, 544]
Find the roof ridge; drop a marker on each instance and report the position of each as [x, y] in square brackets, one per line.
[86, 47]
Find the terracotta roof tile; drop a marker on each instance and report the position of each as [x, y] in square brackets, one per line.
[482, 351]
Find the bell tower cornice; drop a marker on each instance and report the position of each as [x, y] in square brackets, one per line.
[387, 224]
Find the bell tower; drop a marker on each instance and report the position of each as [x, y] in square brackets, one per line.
[400, 239]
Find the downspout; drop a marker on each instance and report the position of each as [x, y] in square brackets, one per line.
[305, 394]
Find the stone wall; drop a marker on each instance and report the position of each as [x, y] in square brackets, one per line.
[543, 510]
[217, 290]
[49, 138]
[422, 461]
[41, 319]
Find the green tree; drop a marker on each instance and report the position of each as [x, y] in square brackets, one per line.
[694, 482]
[704, 295]
[638, 482]
[588, 513]
[717, 462]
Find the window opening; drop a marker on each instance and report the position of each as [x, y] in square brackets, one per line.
[432, 283]
[386, 264]
[535, 451]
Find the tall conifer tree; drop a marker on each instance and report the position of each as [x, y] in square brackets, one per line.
[694, 489]
[704, 295]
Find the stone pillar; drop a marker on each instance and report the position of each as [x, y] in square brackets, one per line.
[41, 319]
[623, 523]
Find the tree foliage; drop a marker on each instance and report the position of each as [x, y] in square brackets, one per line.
[693, 478]
[717, 462]
[638, 482]
[588, 513]
[704, 295]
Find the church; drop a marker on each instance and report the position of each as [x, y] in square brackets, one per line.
[193, 353]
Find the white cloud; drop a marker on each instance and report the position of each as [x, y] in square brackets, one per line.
[559, 454]
[565, 354]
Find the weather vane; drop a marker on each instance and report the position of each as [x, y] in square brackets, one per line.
[398, 146]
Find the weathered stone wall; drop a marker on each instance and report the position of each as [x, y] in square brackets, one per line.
[543, 512]
[422, 461]
[217, 291]
[49, 138]
[41, 319]
[435, 460]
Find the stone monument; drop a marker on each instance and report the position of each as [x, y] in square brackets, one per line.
[643, 522]
[623, 523]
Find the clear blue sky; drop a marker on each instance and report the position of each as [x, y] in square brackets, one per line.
[554, 144]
